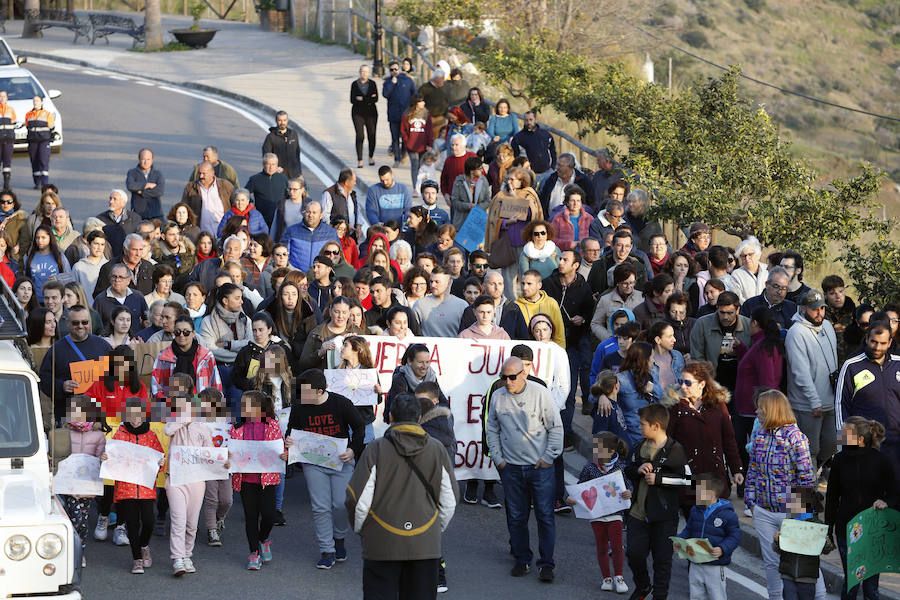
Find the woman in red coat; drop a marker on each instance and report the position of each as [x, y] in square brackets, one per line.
[700, 423]
[118, 384]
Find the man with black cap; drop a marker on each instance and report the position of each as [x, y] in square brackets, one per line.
[811, 351]
[322, 276]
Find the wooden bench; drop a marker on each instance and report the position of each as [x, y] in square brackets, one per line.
[46, 18]
[103, 26]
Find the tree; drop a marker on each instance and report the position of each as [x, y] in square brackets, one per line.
[28, 31]
[875, 270]
[153, 25]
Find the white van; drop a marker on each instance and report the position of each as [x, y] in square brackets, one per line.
[39, 549]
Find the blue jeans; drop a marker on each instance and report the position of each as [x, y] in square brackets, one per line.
[580, 370]
[279, 494]
[522, 485]
[231, 393]
[396, 141]
[869, 586]
[798, 591]
[415, 159]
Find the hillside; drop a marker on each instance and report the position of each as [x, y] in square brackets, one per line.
[843, 51]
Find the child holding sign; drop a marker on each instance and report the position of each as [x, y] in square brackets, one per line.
[800, 571]
[861, 477]
[135, 502]
[610, 453]
[714, 520]
[185, 500]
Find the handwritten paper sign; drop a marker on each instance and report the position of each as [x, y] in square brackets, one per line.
[873, 545]
[471, 232]
[513, 207]
[802, 537]
[131, 463]
[188, 464]
[316, 449]
[220, 429]
[356, 384]
[256, 457]
[599, 497]
[86, 372]
[78, 475]
[696, 550]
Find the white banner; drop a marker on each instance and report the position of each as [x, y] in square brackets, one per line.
[356, 384]
[131, 463]
[78, 475]
[316, 449]
[188, 464]
[247, 456]
[599, 497]
[465, 371]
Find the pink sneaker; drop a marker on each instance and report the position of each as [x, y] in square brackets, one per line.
[253, 562]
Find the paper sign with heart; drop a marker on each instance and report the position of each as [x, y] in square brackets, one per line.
[593, 499]
[590, 497]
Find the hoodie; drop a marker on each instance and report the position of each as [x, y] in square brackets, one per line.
[545, 305]
[812, 357]
[399, 516]
[286, 146]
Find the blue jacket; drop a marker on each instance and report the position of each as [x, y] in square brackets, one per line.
[719, 524]
[607, 346]
[383, 204]
[867, 390]
[256, 223]
[677, 368]
[398, 95]
[539, 147]
[630, 402]
[304, 245]
[147, 203]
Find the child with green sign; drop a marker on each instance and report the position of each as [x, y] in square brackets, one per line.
[799, 572]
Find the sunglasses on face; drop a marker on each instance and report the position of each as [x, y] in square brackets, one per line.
[686, 382]
[6, 201]
[542, 233]
[479, 266]
[84, 323]
[332, 252]
[182, 332]
[509, 377]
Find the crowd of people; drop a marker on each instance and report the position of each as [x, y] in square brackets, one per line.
[710, 372]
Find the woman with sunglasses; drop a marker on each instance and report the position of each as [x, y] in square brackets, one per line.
[539, 253]
[12, 217]
[699, 421]
[187, 356]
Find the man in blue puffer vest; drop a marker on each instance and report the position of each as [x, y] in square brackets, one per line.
[714, 520]
[305, 239]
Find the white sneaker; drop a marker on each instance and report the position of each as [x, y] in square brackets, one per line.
[607, 585]
[120, 536]
[178, 567]
[621, 586]
[100, 530]
[220, 526]
[748, 513]
[83, 562]
[189, 566]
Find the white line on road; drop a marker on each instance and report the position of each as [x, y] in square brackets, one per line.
[147, 83]
[49, 63]
[747, 583]
[119, 78]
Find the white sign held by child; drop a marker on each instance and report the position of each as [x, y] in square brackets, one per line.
[599, 497]
[802, 537]
[78, 475]
[188, 464]
[356, 384]
[317, 449]
[248, 456]
[131, 463]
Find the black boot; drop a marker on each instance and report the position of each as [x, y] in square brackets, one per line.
[6, 177]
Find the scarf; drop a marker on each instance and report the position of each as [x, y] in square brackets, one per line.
[184, 359]
[81, 427]
[5, 214]
[544, 253]
[245, 213]
[228, 316]
[414, 381]
[609, 466]
[139, 430]
[197, 314]
[658, 265]
[201, 257]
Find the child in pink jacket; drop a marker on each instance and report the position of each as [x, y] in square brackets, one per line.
[185, 500]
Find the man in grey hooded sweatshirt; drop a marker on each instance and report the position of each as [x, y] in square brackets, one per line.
[811, 348]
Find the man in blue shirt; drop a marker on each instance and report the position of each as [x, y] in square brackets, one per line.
[387, 200]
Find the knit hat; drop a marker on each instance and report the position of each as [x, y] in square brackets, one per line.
[324, 260]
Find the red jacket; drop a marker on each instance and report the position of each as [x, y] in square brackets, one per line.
[6, 272]
[113, 402]
[350, 250]
[131, 491]
[565, 233]
[272, 432]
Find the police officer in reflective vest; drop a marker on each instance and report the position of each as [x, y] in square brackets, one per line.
[7, 137]
[40, 124]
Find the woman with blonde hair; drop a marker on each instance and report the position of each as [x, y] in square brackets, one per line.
[700, 422]
[503, 237]
[779, 460]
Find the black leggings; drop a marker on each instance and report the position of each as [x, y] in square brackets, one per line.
[259, 512]
[365, 127]
[105, 502]
[138, 517]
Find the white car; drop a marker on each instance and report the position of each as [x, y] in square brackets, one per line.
[22, 86]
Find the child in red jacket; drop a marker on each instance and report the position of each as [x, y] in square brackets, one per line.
[135, 503]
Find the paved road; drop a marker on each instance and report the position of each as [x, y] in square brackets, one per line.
[107, 120]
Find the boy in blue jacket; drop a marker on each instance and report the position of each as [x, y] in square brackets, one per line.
[715, 520]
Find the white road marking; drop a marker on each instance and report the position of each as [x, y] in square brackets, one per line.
[747, 583]
[147, 83]
[119, 78]
[49, 63]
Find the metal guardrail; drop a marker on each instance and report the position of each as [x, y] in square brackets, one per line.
[393, 46]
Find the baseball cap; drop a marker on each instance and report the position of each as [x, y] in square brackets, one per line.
[813, 299]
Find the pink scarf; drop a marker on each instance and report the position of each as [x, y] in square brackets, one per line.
[81, 427]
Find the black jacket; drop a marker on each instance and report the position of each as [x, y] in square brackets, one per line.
[800, 568]
[581, 181]
[574, 300]
[438, 423]
[511, 320]
[116, 232]
[268, 192]
[147, 203]
[286, 146]
[364, 101]
[144, 283]
[858, 477]
[669, 465]
[252, 351]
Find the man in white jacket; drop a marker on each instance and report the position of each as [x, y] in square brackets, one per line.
[811, 348]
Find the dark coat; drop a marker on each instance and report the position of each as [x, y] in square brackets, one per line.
[722, 528]
[581, 181]
[575, 300]
[398, 95]
[144, 283]
[147, 203]
[512, 321]
[438, 423]
[116, 232]
[268, 192]
[858, 477]
[669, 464]
[286, 146]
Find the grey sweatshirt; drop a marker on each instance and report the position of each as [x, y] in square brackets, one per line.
[811, 357]
[524, 428]
[440, 319]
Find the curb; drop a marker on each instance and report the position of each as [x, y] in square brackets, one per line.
[333, 163]
[750, 543]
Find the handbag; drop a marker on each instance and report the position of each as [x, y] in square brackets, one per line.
[502, 253]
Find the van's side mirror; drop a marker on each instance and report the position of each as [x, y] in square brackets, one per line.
[21, 60]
